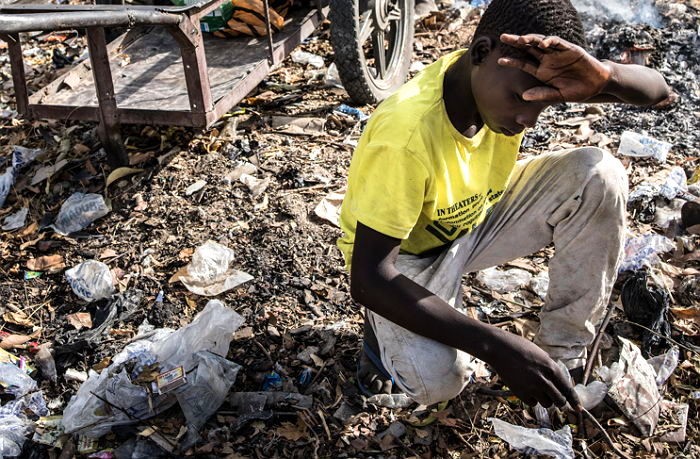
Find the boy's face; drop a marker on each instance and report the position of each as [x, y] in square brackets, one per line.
[497, 92]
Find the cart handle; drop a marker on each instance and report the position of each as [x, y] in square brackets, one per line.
[127, 17]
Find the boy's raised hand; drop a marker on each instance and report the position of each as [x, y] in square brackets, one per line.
[569, 73]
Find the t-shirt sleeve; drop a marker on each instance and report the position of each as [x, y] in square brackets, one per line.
[388, 188]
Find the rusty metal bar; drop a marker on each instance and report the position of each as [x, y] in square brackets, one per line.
[126, 17]
[268, 26]
[19, 79]
[108, 128]
[194, 61]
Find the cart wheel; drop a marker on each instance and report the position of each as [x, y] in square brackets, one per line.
[372, 41]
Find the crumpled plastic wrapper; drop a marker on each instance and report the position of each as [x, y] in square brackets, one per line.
[644, 251]
[209, 274]
[633, 387]
[504, 281]
[79, 211]
[546, 442]
[91, 280]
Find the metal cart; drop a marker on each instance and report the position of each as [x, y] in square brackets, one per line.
[164, 70]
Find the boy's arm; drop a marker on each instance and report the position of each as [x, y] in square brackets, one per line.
[376, 284]
[570, 74]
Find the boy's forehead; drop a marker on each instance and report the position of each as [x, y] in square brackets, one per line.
[515, 78]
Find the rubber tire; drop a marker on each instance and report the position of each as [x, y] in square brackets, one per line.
[350, 58]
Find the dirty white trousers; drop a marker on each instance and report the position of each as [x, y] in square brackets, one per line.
[575, 199]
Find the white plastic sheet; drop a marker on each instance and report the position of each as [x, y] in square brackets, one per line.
[504, 281]
[556, 444]
[209, 273]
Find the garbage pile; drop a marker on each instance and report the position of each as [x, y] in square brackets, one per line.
[124, 291]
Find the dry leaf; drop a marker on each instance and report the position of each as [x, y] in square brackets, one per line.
[18, 318]
[119, 173]
[80, 320]
[108, 253]
[290, 431]
[12, 341]
[48, 263]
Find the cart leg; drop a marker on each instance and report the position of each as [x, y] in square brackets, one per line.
[189, 37]
[19, 81]
[109, 127]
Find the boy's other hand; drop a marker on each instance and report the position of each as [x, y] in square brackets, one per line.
[569, 73]
[531, 374]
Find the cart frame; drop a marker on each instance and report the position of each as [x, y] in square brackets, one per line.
[183, 23]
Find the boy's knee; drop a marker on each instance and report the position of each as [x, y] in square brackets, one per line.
[438, 379]
[600, 165]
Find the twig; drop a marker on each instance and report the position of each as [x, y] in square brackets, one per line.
[668, 338]
[596, 344]
[605, 434]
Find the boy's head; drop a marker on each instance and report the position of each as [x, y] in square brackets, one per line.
[522, 17]
[496, 89]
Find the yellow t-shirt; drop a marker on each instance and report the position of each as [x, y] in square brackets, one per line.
[414, 177]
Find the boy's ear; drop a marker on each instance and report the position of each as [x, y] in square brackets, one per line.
[480, 49]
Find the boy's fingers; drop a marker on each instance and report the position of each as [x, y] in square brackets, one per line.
[542, 94]
[567, 391]
[525, 66]
[554, 44]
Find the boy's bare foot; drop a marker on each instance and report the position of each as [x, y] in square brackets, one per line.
[372, 378]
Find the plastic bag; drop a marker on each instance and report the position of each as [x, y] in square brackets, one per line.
[204, 342]
[643, 251]
[21, 156]
[79, 211]
[633, 387]
[642, 146]
[664, 364]
[390, 400]
[16, 220]
[332, 77]
[540, 284]
[208, 274]
[675, 184]
[557, 444]
[504, 281]
[302, 57]
[91, 280]
[15, 381]
[13, 433]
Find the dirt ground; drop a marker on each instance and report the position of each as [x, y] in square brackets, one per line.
[302, 331]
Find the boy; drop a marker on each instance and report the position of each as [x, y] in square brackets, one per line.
[434, 191]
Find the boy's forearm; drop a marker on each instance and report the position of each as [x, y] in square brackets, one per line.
[635, 84]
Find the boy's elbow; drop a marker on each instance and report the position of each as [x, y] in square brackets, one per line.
[358, 287]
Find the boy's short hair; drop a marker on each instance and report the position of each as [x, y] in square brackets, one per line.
[521, 17]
